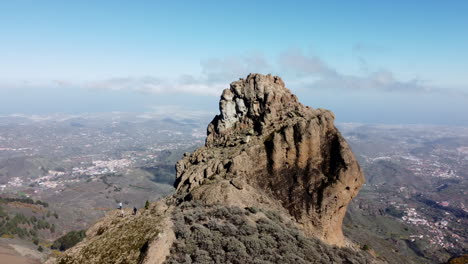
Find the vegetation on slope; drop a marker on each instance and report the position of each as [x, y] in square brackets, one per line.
[21, 225]
[116, 240]
[219, 234]
[69, 240]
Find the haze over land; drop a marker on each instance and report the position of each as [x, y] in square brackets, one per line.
[406, 61]
[414, 199]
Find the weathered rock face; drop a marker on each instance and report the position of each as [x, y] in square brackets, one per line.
[268, 150]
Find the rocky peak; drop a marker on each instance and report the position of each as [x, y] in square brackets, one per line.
[266, 149]
[263, 150]
[250, 105]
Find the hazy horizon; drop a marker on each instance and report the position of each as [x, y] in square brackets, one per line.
[392, 63]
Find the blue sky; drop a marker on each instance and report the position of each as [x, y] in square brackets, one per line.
[368, 61]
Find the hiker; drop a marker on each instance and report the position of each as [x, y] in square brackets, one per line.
[134, 210]
[120, 205]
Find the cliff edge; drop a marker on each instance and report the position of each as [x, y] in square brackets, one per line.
[266, 149]
[274, 175]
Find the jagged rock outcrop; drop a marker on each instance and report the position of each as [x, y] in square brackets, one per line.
[268, 150]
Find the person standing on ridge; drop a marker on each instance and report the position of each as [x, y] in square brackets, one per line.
[120, 205]
[134, 210]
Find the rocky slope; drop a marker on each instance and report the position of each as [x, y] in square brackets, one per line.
[268, 150]
[273, 176]
[142, 238]
[195, 233]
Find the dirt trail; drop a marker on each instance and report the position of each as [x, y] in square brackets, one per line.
[159, 249]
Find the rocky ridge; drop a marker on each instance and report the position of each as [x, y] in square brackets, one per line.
[266, 149]
[269, 166]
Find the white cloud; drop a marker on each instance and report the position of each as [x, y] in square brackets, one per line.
[312, 72]
[294, 61]
[301, 71]
[216, 74]
[149, 84]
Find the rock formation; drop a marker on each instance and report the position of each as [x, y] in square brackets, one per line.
[263, 150]
[268, 150]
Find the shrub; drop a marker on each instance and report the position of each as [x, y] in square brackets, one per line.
[202, 257]
[228, 229]
[252, 210]
[33, 233]
[247, 229]
[68, 240]
[217, 234]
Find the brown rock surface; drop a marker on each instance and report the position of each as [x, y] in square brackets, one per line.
[264, 149]
[268, 150]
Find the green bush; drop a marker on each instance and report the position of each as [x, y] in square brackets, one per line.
[68, 240]
[218, 234]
